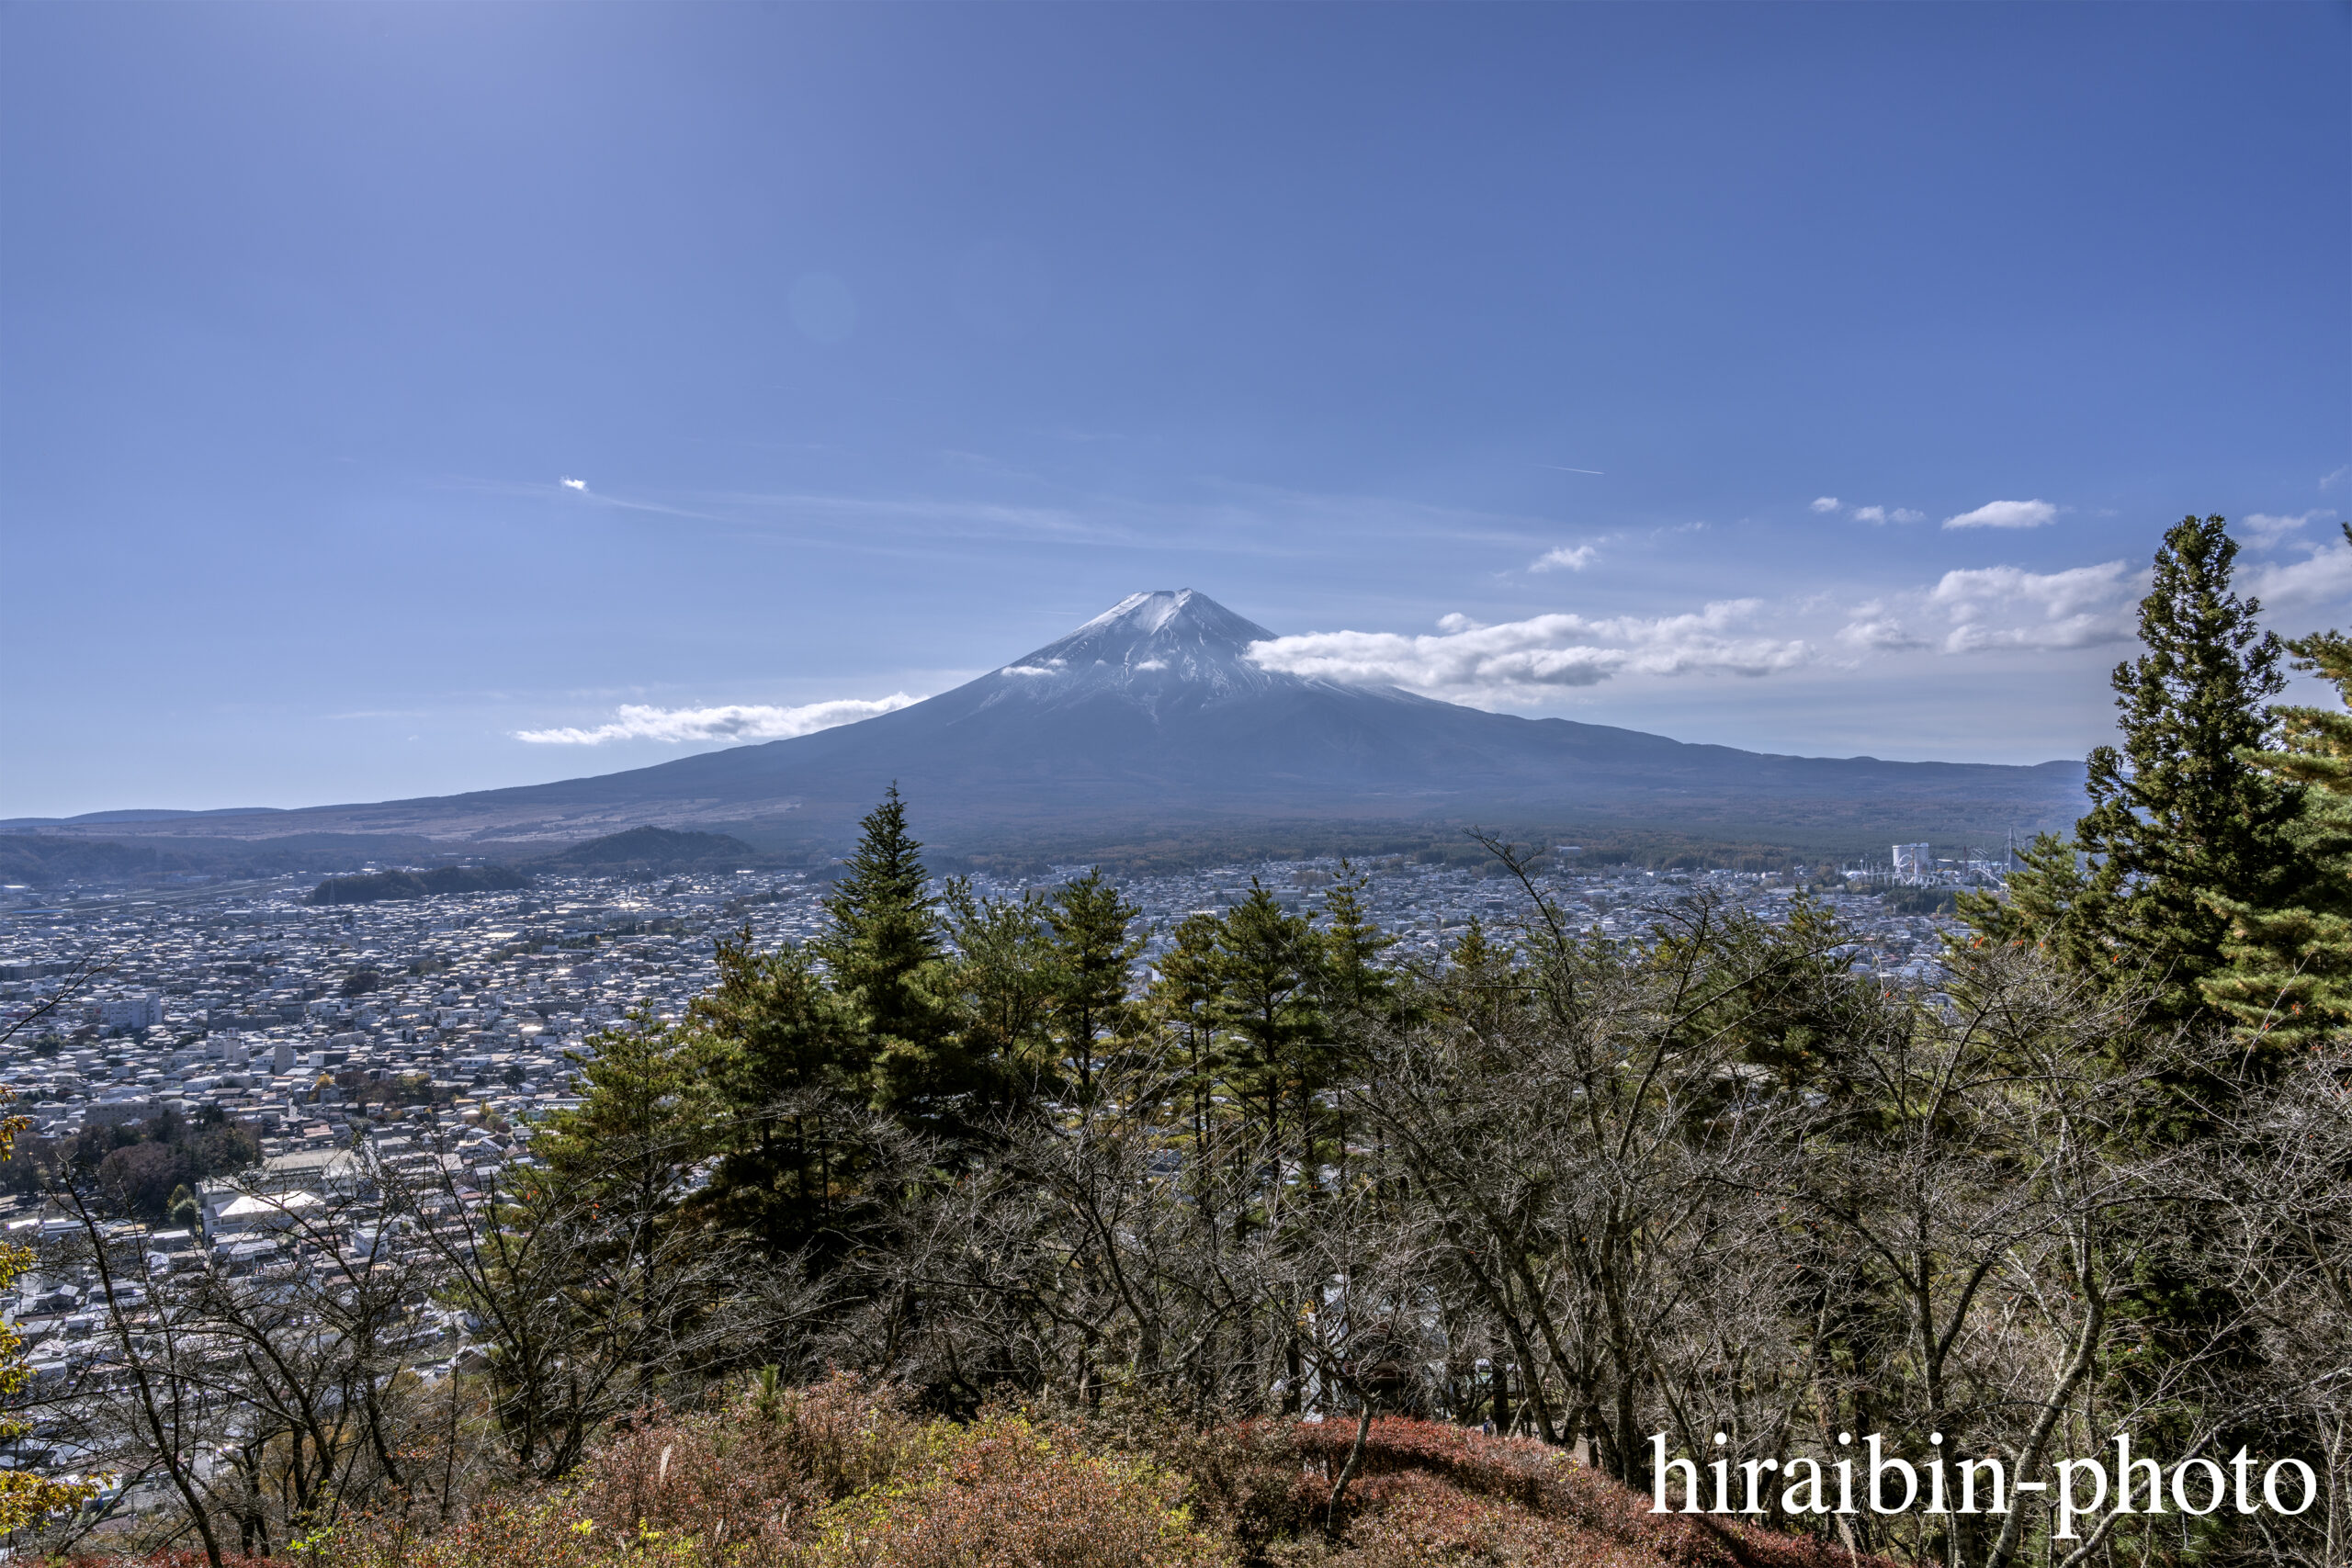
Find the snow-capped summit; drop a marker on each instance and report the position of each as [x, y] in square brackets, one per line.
[1151, 648]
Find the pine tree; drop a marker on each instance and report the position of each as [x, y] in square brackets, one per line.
[1092, 959]
[2288, 979]
[886, 954]
[1480, 984]
[644, 1118]
[1357, 986]
[1004, 987]
[1269, 963]
[1356, 976]
[1186, 1006]
[781, 1051]
[2179, 817]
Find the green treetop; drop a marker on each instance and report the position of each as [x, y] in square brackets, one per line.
[1088, 926]
[781, 1052]
[1185, 1010]
[1355, 973]
[1269, 963]
[2182, 824]
[885, 952]
[2288, 977]
[1004, 986]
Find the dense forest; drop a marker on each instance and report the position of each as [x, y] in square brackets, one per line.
[960, 1220]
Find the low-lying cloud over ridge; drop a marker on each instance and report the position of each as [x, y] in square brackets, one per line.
[732, 722]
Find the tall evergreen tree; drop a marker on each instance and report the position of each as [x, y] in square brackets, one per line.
[1269, 962]
[781, 1052]
[885, 953]
[1185, 1002]
[1359, 989]
[1092, 952]
[2288, 979]
[1355, 975]
[2179, 817]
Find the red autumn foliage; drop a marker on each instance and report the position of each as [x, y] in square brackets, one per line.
[1428, 1491]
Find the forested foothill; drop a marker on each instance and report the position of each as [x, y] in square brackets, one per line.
[956, 1236]
[371, 886]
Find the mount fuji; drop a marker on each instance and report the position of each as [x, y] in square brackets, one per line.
[1152, 718]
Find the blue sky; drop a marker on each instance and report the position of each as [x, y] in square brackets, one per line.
[1808, 379]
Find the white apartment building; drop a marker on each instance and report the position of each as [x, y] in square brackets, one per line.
[139, 1010]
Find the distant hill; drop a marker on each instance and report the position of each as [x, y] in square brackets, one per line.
[657, 851]
[372, 887]
[103, 817]
[48, 859]
[1151, 725]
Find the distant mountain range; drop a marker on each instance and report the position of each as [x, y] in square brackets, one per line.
[1151, 720]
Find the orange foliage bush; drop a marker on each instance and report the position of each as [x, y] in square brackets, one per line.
[1429, 1492]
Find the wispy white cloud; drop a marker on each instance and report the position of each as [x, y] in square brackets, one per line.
[2006, 514]
[972, 518]
[1882, 634]
[571, 483]
[1569, 558]
[2319, 581]
[1877, 627]
[2005, 607]
[2329, 481]
[732, 722]
[1518, 662]
[1829, 504]
[2266, 528]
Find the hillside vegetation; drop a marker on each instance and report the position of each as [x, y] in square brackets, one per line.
[845, 1474]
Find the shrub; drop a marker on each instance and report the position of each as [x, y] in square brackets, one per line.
[753, 1475]
[839, 1475]
[1008, 1490]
